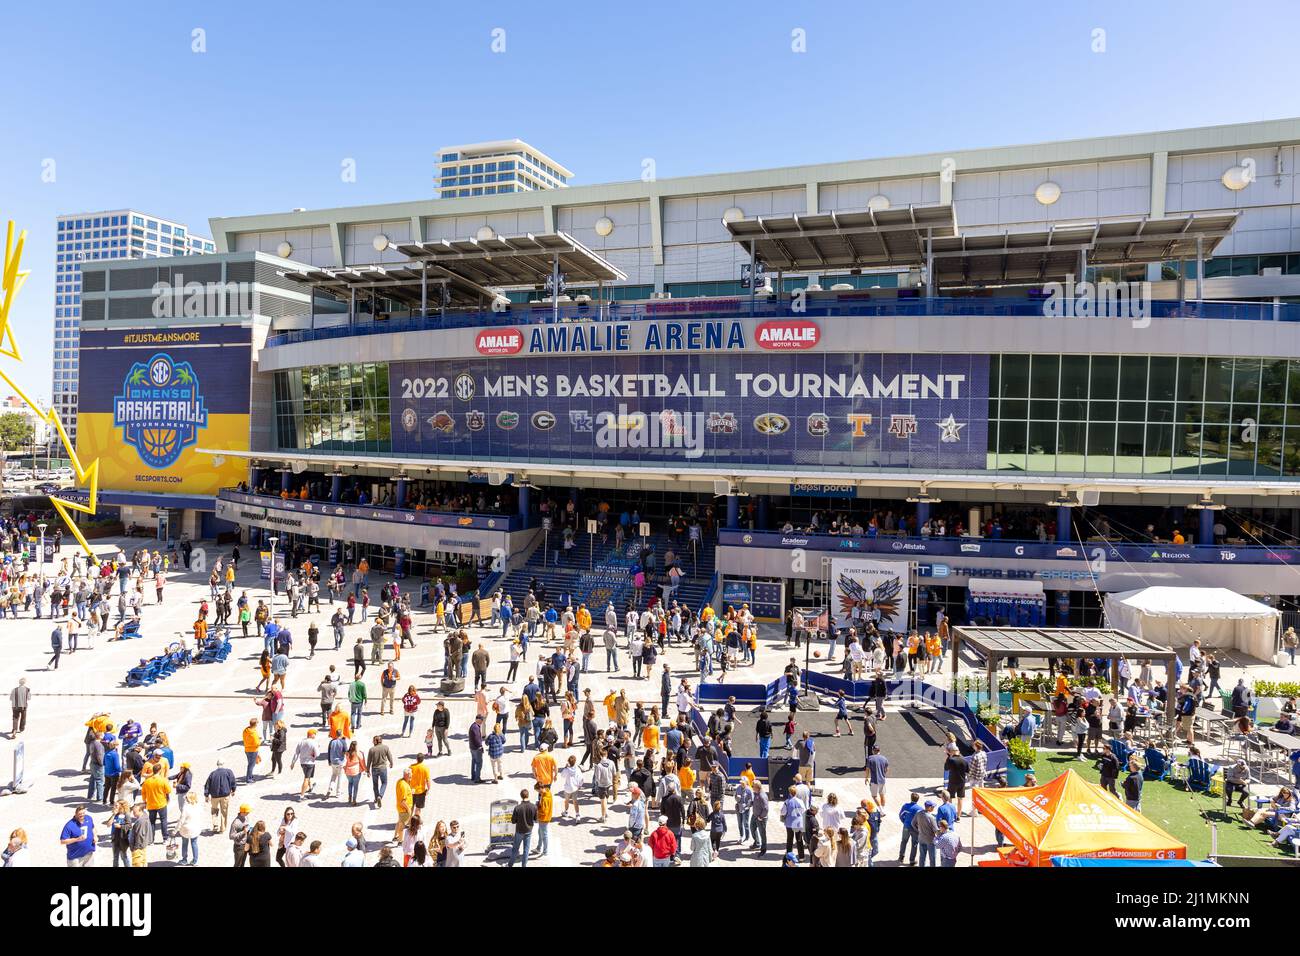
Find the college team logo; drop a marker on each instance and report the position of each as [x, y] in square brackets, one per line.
[859, 422]
[160, 410]
[902, 426]
[721, 423]
[580, 420]
[464, 386]
[771, 424]
[543, 421]
[819, 425]
[670, 423]
[410, 420]
[475, 421]
[950, 430]
[507, 420]
[442, 422]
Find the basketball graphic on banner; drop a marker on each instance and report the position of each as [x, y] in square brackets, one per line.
[865, 591]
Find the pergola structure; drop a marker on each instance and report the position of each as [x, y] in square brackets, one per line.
[928, 236]
[463, 273]
[995, 643]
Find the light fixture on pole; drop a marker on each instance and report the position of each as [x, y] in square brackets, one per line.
[1207, 503]
[270, 610]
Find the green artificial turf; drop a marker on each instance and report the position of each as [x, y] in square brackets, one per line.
[1183, 814]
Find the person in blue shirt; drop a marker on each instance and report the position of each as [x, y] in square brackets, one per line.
[947, 809]
[112, 769]
[842, 713]
[905, 814]
[79, 837]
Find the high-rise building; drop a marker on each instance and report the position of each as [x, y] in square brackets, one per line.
[120, 234]
[502, 166]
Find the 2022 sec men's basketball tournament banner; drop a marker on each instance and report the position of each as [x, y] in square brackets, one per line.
[921, 411]
[149, 397]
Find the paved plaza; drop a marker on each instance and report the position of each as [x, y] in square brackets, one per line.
[204, 709]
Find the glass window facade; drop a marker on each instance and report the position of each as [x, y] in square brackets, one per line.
[333, 408]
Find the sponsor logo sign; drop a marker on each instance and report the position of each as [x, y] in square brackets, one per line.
[499, 341]
[787, 335]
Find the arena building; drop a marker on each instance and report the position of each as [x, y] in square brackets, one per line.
[1020, 378]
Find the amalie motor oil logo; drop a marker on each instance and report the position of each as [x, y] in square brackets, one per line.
[787, 334]
[499, 341]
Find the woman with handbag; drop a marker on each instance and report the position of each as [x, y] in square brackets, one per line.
[259, 846]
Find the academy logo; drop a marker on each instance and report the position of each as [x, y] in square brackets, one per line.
[819, 425]
[160, 410]
[507, 420]
[721, 423]
[464, 386]
[543, 421]
[475, 421]
[771, 424]
[580, 420]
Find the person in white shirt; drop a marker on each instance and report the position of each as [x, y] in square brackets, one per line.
[353, 857]
[570, 788]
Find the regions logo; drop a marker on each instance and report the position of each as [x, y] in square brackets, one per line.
[581, 420]
[819, 424]
[160, 410]
[507, 420]
[464, 386]
[721, 423]
[543, 421]
[410, 420]
[499, 341]
[443, 422]
[475, 421]
[970, 549]
[1066, 553]
[771, 424]
[787, 335]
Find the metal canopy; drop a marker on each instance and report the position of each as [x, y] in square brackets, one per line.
[1060, 642]
[525, 260]
[844, 240]
[1045, 255]
[405, 282]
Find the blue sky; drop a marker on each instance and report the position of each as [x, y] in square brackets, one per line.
[262, 120]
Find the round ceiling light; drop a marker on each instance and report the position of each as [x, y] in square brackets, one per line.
[284, 250]
[380, 242]
[484, 233]
[878, 203]
[1047, 193]
[604, 226]
[732, 214]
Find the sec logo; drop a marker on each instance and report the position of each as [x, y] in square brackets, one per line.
[464, 386]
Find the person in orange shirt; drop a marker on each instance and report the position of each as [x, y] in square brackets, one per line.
[340, 723]
[611, 706]
[405, 805]
[419, 780]
[252, 741]
[650, 735]
[687, 778]
[545, 812]
[155, 791]
[544, 769]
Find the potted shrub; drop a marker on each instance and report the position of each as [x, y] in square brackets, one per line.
[1020, 761]
[990, 716]
[1271, 695]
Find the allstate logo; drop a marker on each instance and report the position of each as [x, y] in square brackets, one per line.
[160, 410]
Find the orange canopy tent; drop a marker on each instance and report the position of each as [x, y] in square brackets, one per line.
[1071, 817]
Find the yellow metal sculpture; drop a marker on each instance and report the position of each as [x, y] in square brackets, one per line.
[11, 281]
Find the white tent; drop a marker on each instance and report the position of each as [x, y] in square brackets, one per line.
[1216, 617]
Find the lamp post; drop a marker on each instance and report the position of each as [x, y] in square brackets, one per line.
[270, 610]
[41, 558]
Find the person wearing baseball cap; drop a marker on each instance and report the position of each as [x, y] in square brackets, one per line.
[663, 844]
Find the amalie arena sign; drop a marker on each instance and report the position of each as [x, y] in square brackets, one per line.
[688, 335]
